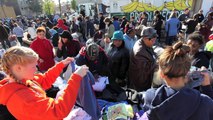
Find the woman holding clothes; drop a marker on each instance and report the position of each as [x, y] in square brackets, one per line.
[23, 91]
[175, 97]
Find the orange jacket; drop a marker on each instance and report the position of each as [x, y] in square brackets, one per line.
[28, 102]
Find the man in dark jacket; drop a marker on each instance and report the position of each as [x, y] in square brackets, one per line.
[200, 16]
[157, 23]
[143, 61]
[183, 17]
[49, 23]
[102, 25]
[90, 27]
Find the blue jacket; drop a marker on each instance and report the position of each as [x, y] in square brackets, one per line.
[172, 26]
[116, 25]
[129, 42]
[166, 103]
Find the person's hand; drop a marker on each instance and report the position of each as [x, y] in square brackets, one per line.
[67, 61]
[60, 44]
[206, 75]
[82, 71]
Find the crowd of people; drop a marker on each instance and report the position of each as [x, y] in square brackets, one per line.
[122, 49]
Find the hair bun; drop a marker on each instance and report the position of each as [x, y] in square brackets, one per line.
[181, 49]
[177, 45]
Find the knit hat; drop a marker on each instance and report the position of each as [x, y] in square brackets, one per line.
[117, 35]
[92, 50]
[66, 34]
[149, 32]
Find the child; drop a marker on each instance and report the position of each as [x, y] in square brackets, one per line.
[23, 90]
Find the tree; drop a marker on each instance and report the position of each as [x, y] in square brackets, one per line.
[59, 3]
[48, 7]
[35, 6]
[73, 4]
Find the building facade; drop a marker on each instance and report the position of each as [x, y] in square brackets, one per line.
[25, 8]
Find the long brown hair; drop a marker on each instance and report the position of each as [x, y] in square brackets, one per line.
[174, 62]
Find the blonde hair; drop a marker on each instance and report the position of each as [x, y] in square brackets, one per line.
[174, 61]
[40, 29]
[17, 55]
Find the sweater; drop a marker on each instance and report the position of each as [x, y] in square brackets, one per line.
[184, 104]
[27, 102]
[44, 49]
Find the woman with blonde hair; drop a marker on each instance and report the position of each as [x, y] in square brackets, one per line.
[23, 91]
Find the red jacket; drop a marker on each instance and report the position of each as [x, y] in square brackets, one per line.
[44, 48]
[61, 24]
[28, 101]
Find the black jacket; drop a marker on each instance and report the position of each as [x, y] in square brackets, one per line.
[202, 59]
[102, 25]
[166, 103]
[118, 61]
